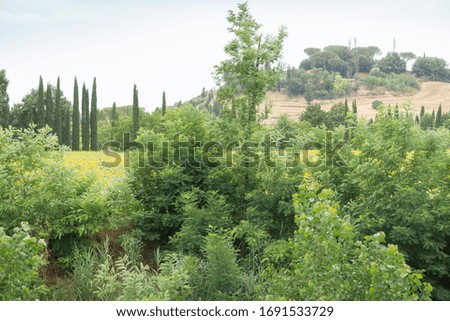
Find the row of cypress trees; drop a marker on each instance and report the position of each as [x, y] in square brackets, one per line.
[48, 106]
[51, 115]
[52, 112]
[430, 121]
[47, 114]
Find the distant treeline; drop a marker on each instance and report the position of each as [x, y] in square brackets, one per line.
[325, 73]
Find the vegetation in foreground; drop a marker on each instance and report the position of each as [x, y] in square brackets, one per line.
[223, 208]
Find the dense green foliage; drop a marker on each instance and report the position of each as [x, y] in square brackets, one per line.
[315, 84]
[341, 59]
[325, 260]
[61, 207]
[325, 73]
[432, 68]
[55, 107]
[401, 184]
[213, 205]
[335, 117]
[20, 261]
[392, 81]
[392, 63]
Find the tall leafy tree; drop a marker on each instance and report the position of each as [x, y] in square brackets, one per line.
[135, 111]
[4, 100]
[392, 63]
[94, 142]
[164, 102]
[252, 68]
[85, 137]
[433, 68]
[49, 112]
[40, 112]
[58, 117]
[76, 118]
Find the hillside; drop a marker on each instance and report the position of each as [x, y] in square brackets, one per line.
[430, 95]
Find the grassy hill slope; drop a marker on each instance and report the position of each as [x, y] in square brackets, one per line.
[430, 95]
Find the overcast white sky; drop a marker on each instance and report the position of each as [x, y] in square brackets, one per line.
[173, 45]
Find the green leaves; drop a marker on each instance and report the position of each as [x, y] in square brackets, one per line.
[328, 262]
[252, 68]
[402, 185]
[60, 205]
[201, 210]
[20, 262]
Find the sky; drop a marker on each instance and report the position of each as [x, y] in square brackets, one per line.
[173, 45]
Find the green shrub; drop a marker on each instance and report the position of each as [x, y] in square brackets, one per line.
[400, 184]
[200, 211]
[325, 260]
[392, 82]
[61, 206]
[221, 275]
[20, 261]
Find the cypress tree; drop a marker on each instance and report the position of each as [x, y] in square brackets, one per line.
[417, 120]
[4, 100]
[355, 111]
[164, 102]
[49, 117]
[76, 118]
[135, 111]
[58, 124]
[422, 111]
[439, 120]
[63, 125]
[66, 131]
[94, 116]
[433, 119]
[40, 114]
[85, 137]
[396, 111]
[113, 118]
[354, 108]
[346, 107]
